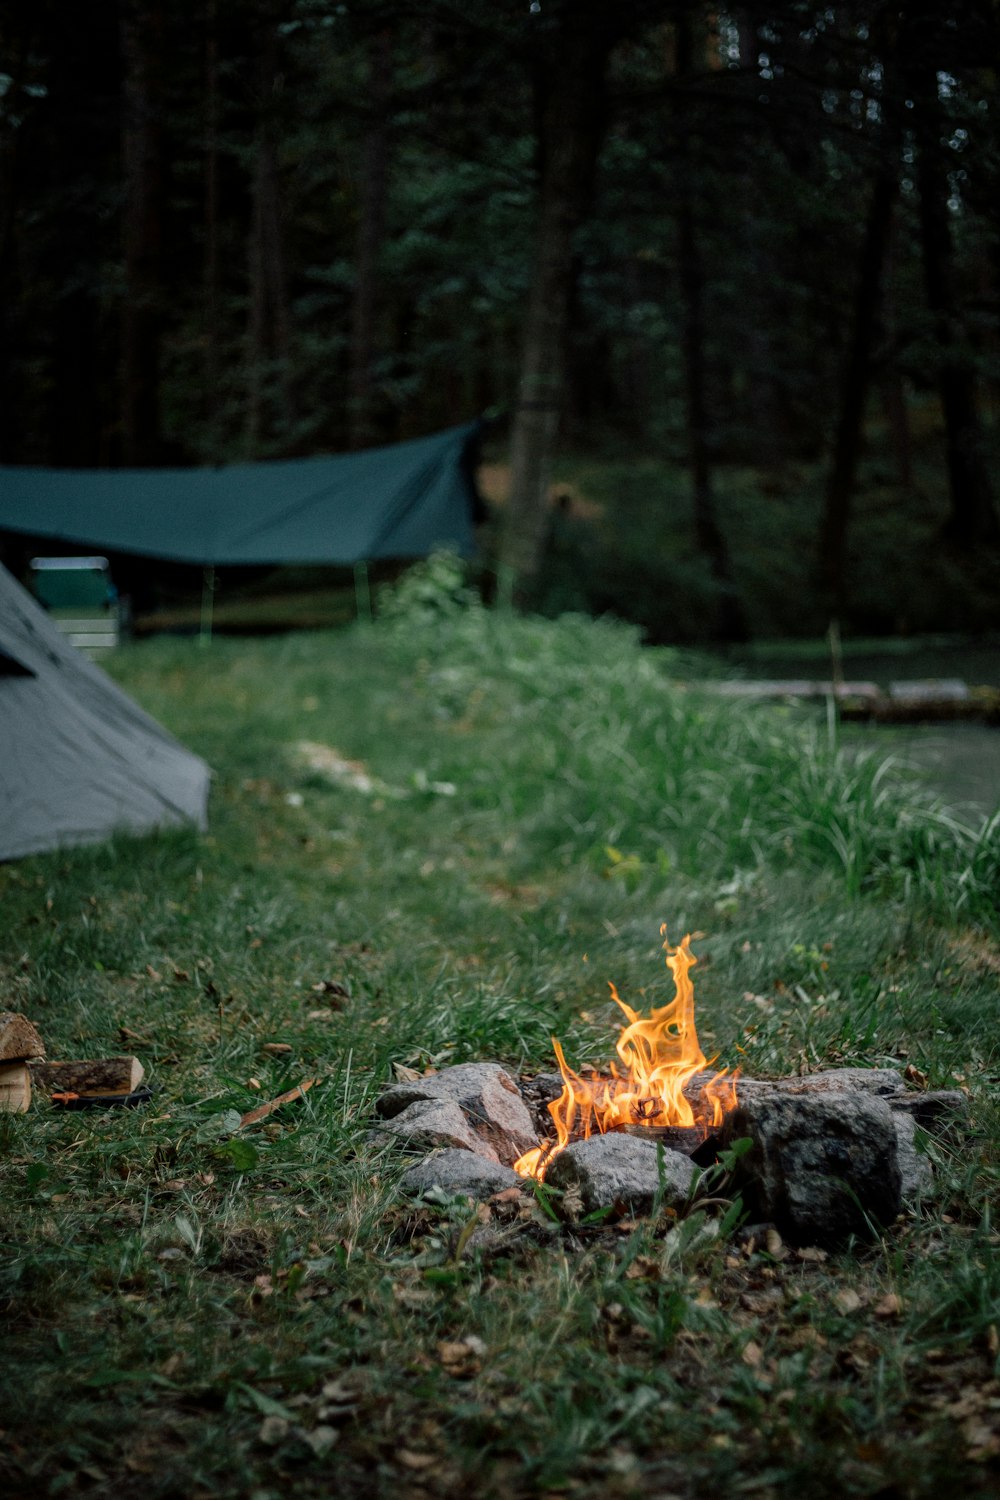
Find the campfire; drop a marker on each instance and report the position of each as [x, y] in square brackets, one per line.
[824, 1157]
[660, 1056]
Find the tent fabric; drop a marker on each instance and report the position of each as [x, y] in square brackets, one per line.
[397, 501]
[78, 759]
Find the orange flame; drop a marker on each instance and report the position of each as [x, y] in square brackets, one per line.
[660, 1054]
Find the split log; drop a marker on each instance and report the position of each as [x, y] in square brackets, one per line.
[100, 1075]
[18, 1038]
[15, 1088]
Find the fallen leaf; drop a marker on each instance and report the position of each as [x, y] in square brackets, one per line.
[813, 1254]
[273, 1430]
[846, 1300]
[888, 1306]
[321, 1439]
[411, 1460]
[752, 1355]
[338, 1393]
[775, 1245]
[335, 987]
[276, 1049]
[403, 1074]
[981, 1441]
[461, 1357]
[643, 1268]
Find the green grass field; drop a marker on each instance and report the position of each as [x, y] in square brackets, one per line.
[188, 1312]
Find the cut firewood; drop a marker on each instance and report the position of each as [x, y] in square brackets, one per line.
[18, 1038]
[99, 1075]
[15, 1088]
[263, 1110]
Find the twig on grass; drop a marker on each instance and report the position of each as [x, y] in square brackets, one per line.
[253, 1116]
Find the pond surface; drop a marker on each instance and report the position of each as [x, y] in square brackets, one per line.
[961, 762]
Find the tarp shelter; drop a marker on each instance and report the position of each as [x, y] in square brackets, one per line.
[398, 501]
[78, 759]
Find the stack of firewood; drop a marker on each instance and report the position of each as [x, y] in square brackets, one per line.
[102, 1080]
[20, 1044]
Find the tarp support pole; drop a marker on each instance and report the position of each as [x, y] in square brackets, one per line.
[362, 592]
[207, 605]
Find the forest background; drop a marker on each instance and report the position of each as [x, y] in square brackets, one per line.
[734, 271]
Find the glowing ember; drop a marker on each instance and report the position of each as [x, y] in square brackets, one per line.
[661, 1055]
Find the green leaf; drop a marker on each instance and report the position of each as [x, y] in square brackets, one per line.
[266, 1405]
[241, 1154]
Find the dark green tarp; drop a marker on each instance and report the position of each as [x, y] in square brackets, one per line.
[398, 501]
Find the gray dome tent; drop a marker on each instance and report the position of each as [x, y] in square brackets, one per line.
[78, 759]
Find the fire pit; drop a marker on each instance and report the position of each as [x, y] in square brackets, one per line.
[828, 1156]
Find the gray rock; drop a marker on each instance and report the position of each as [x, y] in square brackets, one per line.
[621, 1171]
[488, 1098]
[460, 1172]
[938, 1111]
[916, 1172]
[824, 1164]
[437, 1122]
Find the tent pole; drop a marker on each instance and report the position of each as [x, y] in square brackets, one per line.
[362, 592]
[207, 604]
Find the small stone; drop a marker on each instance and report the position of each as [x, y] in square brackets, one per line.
[487, 1096]
[460, 1172]
[621, 1171]
[437, 1122]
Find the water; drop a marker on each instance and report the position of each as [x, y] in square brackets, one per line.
[961, 762]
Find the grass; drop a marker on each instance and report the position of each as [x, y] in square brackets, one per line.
[192, 1313]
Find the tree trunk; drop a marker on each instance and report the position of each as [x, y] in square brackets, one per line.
[374, 189]
[212, 267]
[893, 385]
[142, 150]
[855, 380]
[973, 517]
[269, 319]
[729, 624]
[570, 89]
